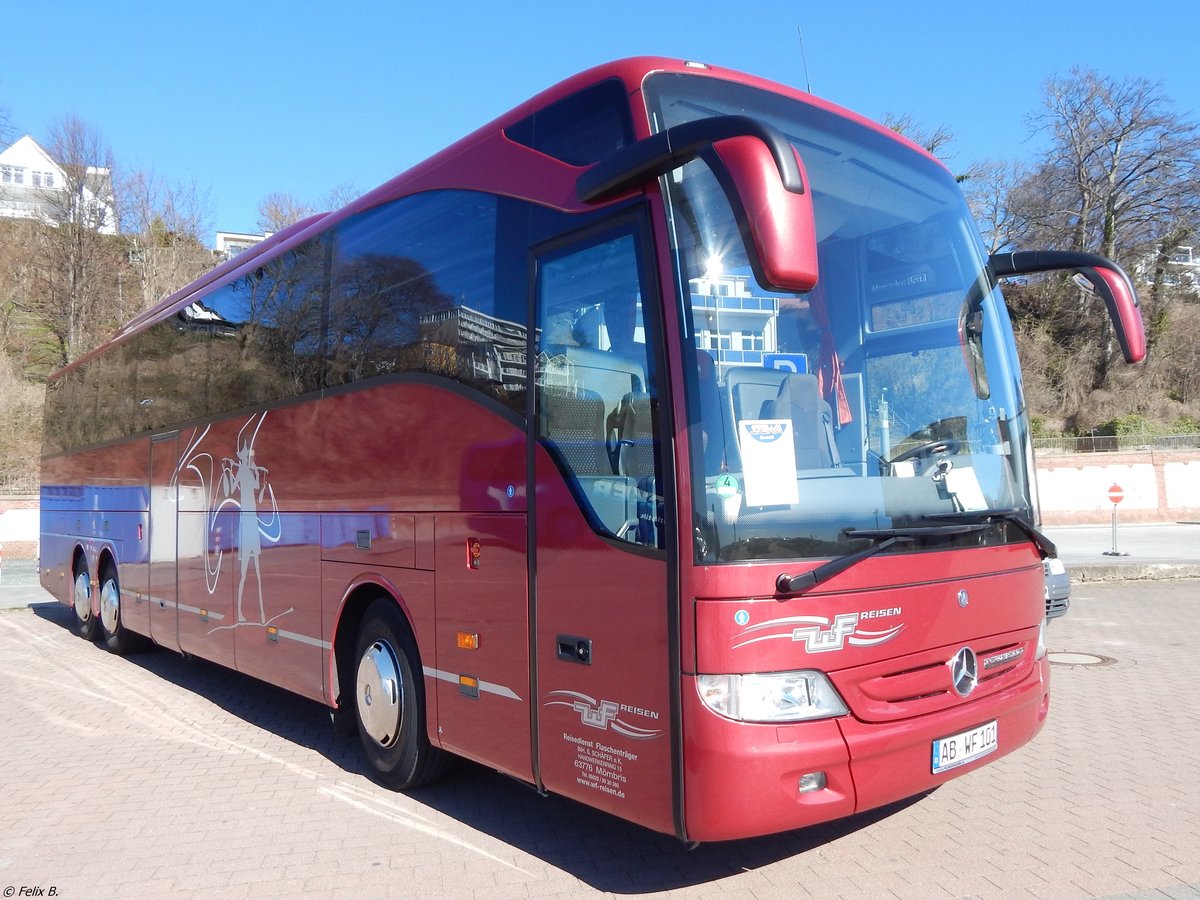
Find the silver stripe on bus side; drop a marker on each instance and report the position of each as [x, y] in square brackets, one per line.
[305, 639]
[485, 686]
[183, 607]
[163, 603]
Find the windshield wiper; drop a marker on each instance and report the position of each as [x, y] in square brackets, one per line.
[795, 584]
[887, 537]
[1015, 515]
[915, 531]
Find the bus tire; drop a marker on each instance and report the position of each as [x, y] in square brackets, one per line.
[113, 634]
[83, 620]
[389, 701]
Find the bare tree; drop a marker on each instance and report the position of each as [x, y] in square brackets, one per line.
[1117, 161]
[164, 222]
[279, 210]
[76, 270]
[86, 196]
[20, 429]
[15, 237]
[1118, 178]
[936, 141]
[341, 195]
[989, 189]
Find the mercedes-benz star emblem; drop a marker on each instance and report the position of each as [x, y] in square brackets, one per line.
[964, 671]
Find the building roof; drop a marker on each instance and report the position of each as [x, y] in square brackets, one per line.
[27, 152]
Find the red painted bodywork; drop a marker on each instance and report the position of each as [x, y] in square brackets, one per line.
[781, 221]
[1125, 309]
[396, 506]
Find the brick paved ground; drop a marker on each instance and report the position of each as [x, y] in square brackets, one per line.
[155, 775]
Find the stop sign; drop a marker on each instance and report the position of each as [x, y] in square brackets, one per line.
[1115, 494]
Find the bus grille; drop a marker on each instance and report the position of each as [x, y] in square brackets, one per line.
[920, 683]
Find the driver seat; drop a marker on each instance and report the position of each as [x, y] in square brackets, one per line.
[799, 400]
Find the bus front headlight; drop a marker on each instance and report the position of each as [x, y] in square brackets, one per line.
[771, 697]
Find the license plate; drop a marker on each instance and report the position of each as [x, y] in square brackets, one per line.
[967, 746]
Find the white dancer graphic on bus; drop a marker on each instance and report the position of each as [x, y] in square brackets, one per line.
[242, 487]
[244, 484]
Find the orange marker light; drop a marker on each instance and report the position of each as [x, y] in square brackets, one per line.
[468, 641]
[468, 686]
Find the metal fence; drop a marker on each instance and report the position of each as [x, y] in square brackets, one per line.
[1112, 443]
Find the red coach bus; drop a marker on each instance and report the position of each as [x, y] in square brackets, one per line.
[660, 444]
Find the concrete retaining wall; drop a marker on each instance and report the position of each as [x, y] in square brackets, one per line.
[19, 526]
[1159, 486]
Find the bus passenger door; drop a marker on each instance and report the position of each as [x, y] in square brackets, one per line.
[164, 524]
[601, 595]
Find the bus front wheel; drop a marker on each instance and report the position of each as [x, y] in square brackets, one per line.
[389, 701]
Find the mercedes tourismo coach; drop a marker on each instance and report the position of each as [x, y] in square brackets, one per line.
[660, 444]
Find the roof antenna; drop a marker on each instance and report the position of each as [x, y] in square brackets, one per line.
[804, 58]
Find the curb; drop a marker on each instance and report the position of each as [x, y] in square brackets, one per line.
[1090, 574]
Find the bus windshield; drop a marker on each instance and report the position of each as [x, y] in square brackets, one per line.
[886, 398]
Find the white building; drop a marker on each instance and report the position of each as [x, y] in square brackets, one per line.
[32, 186]
[734, 326]
[1184, 264]
[231, 243]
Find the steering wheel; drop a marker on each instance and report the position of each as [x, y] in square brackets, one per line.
[932, 448]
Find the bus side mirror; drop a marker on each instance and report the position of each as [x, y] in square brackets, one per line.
[1116, 290]
[1100, 275]
[761, 174]
[777, 223]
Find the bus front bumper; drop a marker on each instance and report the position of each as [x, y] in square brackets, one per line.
[743, 779]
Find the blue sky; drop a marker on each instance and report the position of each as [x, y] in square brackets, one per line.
[246, 99]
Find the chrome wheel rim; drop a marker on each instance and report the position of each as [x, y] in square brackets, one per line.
[110, 603]
[83, 597]
[380, 693]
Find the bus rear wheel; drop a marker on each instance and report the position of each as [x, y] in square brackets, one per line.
[116, 637]
[83, 623]
[389, 701]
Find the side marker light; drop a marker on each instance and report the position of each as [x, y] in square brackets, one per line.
[468, 641]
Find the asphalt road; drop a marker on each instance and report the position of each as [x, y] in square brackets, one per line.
[155, 775]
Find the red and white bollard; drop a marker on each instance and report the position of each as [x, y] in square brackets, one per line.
[1115, 496]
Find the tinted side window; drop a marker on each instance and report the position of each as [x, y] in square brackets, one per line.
[115, 374]
[264, 331]
[54, 416]
[70, 412]
[414, 289]
[172, 372]
[581, 129]
[597, 392]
